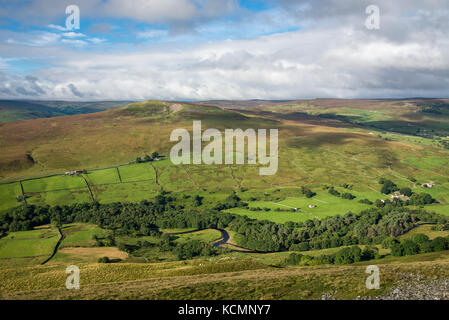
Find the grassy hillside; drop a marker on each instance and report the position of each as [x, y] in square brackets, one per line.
[345, 144]
[222, 278]
[12, 110]
[314, 151]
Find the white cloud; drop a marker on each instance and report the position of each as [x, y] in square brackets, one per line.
[96, 40]
[154, 33]
[73, 35]
[53, 26]
[333, 55]
[35, 39]
[74, 42]
[313, 63]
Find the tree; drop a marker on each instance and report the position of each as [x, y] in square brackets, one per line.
[426, 247]
[421, 199]
[378, 203]
[154, 155]
[356, 253]
[397, 249]
[366, 201]
[303, 246]
[439, 244]
[410, 247]
[420, 238]
[369, 253]
[388, 187]
[197, 201]
[348, 255]
[348, 196]
[56, 222]
[307, 192]
[334, 192]
[103, 260]
[387, 243]
[293, 259]
[406, 192]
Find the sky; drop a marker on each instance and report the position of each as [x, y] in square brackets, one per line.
[223, 49]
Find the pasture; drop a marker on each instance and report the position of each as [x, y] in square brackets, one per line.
[81, 235]
[38, 242]
[314, 150]
[8, 195]
[207, 235]
[325, 205]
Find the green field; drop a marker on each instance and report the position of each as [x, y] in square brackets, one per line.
[325, 205]
[102, 176]
[28, 248]
[136, 172]
[53, 183]
[8, 195]
[81, 235]
[127, 192]
[59, 197]
[39, 242]
[207, 235]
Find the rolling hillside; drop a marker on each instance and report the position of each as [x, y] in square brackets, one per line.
[13, 110]
[318, 146]
[346, 146]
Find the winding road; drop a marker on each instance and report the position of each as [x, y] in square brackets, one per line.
[224, 239]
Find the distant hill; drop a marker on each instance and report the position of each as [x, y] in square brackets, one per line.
[12, 110]
[118, 135]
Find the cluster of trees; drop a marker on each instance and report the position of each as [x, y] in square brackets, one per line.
[388, 186]
[197, 200]
[333, 192]
[147, 158]
[348, 196]
[107, 241]
[366, 201]
[233, 201]
[418, 243]
[194, 248]
[307, 192]
[345, 195]
[166, 243]
[285, 210]
[371, 226]
[441, 227]
[421, 199]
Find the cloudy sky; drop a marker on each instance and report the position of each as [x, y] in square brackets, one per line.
[223, 49]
